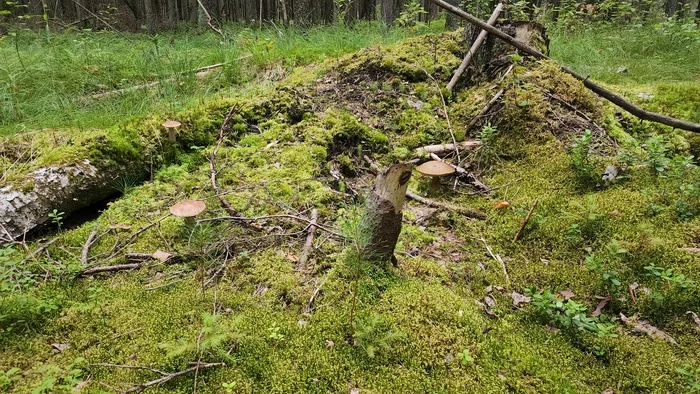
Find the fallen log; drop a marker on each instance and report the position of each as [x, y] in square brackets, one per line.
[594, 87]
[64, 188]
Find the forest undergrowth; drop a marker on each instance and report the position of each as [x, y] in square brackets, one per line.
[599, 293]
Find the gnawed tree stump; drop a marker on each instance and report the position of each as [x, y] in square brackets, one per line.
[381, 224]
[25, 205]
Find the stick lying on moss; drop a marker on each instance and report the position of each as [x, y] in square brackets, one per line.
[469, 212]
[599, 90]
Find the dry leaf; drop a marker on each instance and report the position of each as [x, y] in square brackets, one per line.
[599, 309]
[162, 256]
[644, 327]
[608, 391]
[292, 257]
[615, 213]
[60, 347]
[329, 344]
[120, 227]
[301, 323]
[567, 294]
[502, 204]
[490, 302]
[415, 104]
[519, 298]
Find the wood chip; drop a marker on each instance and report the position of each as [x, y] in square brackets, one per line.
[599, 309]
[60, 347]
[567, 294]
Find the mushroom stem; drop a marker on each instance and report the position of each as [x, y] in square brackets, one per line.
[435, 183]
[171, 135]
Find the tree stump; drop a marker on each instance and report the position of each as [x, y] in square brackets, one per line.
[381, 223]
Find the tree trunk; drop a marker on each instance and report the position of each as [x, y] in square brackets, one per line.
[381, 223]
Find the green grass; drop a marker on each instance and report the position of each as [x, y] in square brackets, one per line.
[49, 84]
[662, 53]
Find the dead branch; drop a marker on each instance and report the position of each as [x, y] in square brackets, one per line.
[472, 213]
[141, 367]
[474, 48]
[445, 148]
[310, 305]
[485, 110]
[86, 247]
[525, 221]
[166, 377]
[470, 176]
[211, 25]
[112, 268]
[212, 167]
[40, 250]
[309, 240]
[281, 216]
[594, 87]
[498, 259]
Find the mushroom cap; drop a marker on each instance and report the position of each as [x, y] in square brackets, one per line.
[435, 168]
[188, 208]
[169, 124]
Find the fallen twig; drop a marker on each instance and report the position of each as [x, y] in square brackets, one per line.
[112, 268]
[599, 90]
[212, 167]
[485, 110]
[309, 241]
[86, 247]
[40, 250]
[469, 212]
[498, 259]
[166, 377]
[444, 148]
[310, 305]
[211, 25]
[525, 221]
[281, 216]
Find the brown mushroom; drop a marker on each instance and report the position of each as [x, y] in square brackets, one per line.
[435, 169]
[171, 126]
[188, 209]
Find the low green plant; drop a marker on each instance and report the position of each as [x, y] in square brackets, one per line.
[488, 151]
[655, 157]
[14, 275]
[465, 357]
[7, 378]
[410, 15]
[569, 314]
[610, 279]
[580, 159]
[692, 377]
[275, 333]
[57, 217]
[57, 379]
[213, 341]
[229, 387]
[669, 276]
[372, 334]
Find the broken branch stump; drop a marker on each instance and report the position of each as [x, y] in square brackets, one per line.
[381, 224]
[475, 47]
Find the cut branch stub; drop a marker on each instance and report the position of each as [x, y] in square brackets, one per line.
[381, 223]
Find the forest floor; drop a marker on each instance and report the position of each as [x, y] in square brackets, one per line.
[599, 294]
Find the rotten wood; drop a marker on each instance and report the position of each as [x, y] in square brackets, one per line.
[474, 48]
[469, 212]
[525, 221]
[381, 223]
[594, 87]
[447, 148]
[309, 240]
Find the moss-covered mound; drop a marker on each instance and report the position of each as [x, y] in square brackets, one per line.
[467, 309]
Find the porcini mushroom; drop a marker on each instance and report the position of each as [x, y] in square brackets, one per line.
[171, 126]
[435, 169]
[188, 209]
